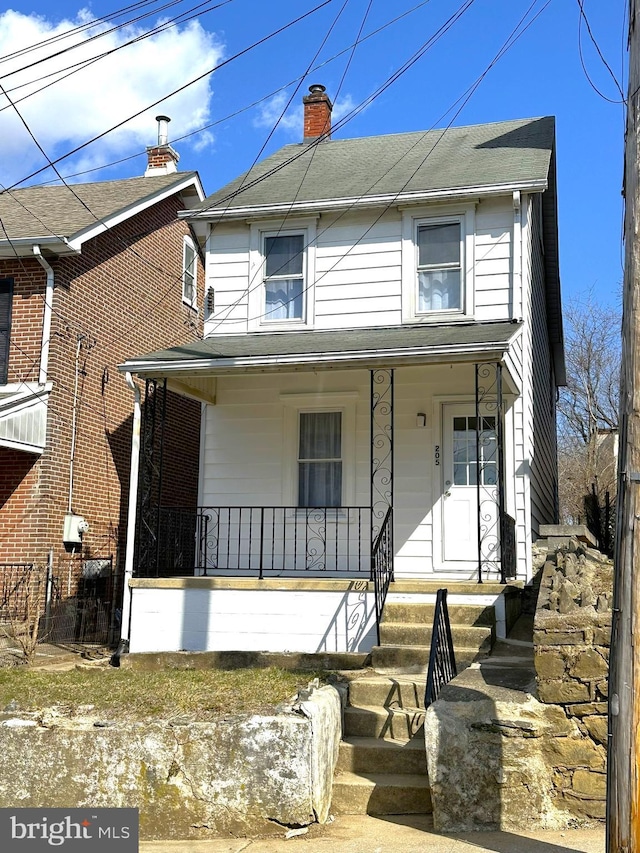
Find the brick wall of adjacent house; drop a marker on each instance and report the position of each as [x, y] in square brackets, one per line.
[122, 296]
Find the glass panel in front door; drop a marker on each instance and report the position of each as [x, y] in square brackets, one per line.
[463, 445]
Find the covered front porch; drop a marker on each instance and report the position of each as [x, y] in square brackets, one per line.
[351, 466]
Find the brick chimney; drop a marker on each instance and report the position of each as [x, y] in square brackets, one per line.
[161, 158]
[317, 113]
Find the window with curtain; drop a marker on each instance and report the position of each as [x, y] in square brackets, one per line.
[320, 459]
[439, 267]
[284, 277]
[6, 299]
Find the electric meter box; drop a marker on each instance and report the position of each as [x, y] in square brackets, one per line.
[74, 527]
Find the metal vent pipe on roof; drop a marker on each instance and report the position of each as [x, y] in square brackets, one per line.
[163, 129]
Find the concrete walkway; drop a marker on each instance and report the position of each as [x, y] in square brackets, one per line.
[411, 834]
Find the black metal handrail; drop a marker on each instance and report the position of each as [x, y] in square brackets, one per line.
[382, 565]
[442, 659]
[508, 566]
[261, 541]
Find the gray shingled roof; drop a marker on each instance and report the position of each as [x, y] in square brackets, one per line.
[227, 348]
[484, 155]
[43, 212]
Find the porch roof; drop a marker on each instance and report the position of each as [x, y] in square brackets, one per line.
[223, 354]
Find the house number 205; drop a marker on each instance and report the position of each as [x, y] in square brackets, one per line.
[437, 454]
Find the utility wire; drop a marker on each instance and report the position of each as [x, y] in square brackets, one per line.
[104, 33]
[582, 17]
[463, 100]
[217, 67]
[261, 100]
[86, 63]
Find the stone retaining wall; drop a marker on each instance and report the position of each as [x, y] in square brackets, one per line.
[572, 631]
[241, 775]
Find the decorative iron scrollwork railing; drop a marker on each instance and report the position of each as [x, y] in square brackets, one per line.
[382, 565]
[261, 541]
[490, 476]
[381, 446]
[442, 659]
[508, 555]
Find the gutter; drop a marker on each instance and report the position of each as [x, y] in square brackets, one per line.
[386, 199]
[202, 365]
[46, 318]
[125, 621]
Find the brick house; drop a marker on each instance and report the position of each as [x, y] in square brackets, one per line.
[82, 270]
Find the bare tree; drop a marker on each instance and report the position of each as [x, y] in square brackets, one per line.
[588, 406]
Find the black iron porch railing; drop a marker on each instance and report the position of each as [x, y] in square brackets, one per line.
[442, 659]
[260, 541]
[382, 564]
[508, 567]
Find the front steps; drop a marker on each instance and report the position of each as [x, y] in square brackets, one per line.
[405, 635]
[382, 766]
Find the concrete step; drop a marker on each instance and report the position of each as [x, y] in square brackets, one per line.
[387, 723]
[374, 755]
[387, 691]
[422, 612]
[380, 794]
[412, 634]
[415, 659]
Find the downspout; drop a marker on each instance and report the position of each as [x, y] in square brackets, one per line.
[46, 317]
[125, 622]
[517, 303]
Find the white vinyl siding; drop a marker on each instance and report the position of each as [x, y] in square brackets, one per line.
[250, 453]
[540, 403]
[493, 260]
[228, 277]
[357, 265]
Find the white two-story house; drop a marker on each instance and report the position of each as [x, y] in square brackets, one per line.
[378, 378]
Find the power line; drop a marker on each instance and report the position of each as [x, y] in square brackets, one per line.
[100, 35]
[264, 98]
[225, 62]
[516, 34]
[582, 17]
[74, 30]
[85, 63]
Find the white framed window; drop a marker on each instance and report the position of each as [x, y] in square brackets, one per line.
[437, 266]
[284, 279]
[319, 449]
[189, 273]
[320, 459]
[282, 262]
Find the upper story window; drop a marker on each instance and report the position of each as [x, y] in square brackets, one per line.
[6, 300]
[437, 266]
[281, 274]
[189, 273]
[284, 277]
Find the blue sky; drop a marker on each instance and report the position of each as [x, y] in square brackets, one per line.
[540, 75]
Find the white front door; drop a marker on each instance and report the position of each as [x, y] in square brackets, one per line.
[459, 516]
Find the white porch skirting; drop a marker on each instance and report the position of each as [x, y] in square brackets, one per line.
[246, 614]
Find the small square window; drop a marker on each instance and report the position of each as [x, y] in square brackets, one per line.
[284, 277]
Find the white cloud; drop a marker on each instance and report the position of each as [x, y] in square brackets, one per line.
[292, 121]
[101, 95]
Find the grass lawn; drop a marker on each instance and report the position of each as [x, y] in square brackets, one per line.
[122, 694]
